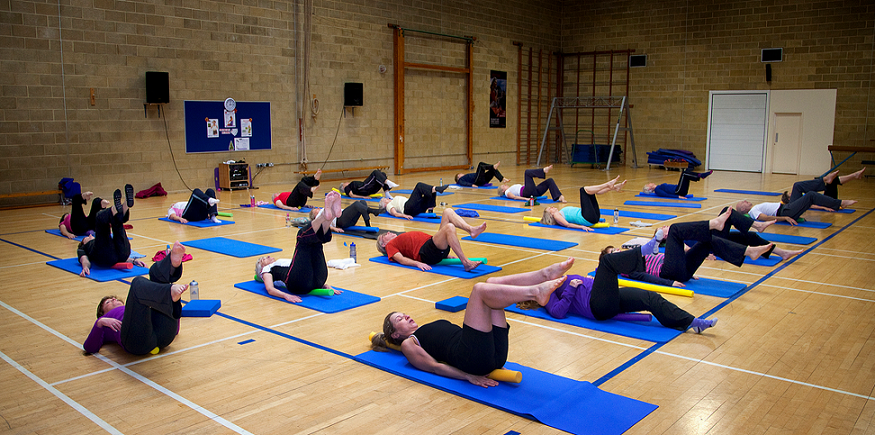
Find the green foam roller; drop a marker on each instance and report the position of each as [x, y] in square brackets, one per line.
[322, 292]
[449, 261]
[225, 214]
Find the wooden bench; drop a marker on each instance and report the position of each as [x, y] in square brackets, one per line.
[840, 148]
[328, 171]
[3, 197]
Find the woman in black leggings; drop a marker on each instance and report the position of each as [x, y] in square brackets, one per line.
[351, 214]
[109, 244]
[585, 216]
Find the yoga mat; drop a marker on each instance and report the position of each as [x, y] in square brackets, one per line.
[748, 192]
[409, 191]
[650, 331]
[562, 403]
[638, 215]
[701, 286]
[454, 270]
[688, 198]
[807, 224]
[199, 224]
[787, 238]
[541, 199]
[303, 209]
[663, 204]
[422, 217]
[470, 187]
[234, 248]
[607, 230]
[522, 242]
[495, 208]
[99, 274]
[844, 210]
[326, 304]
[57, 232]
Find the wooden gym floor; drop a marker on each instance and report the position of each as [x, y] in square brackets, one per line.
[794, 354]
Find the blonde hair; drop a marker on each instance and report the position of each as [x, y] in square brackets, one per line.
[528, 305]
[547, 218]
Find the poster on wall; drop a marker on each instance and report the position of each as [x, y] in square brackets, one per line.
[497, 99]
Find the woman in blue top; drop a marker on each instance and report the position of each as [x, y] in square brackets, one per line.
[585, 216]
[680, 190]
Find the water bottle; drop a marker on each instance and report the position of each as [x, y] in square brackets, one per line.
[288, 220]
[442, 181]
[251, 200]
[352, 253]
[616, 216]
[193, 291]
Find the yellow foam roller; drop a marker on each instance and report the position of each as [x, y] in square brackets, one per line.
[656, 288]
[601, 225]
[501, 375]
[531, 219]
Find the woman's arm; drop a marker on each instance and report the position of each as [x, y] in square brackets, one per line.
[280, 204]
[63, 229]
[273, 291]
[394, 212]
[423, 361]
[95, 338]
[559, 306]
[560, 220]
[401, 259]
[176, 218]
[512, 196]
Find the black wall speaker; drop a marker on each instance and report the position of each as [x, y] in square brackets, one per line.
[638, 60]
[772, 55]
[157, 87]
[352, 94]
[768, 72]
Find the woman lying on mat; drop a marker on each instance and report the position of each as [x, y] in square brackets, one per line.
[364, 189]
[307, 269]
[150, 320]
[297, 198]
[199, 207]
[829, 185]
[792, 210]
[480, 346]
[109, 245]
[485, 173]
[530, 189]
[75, 223]
[351, 214]
[585, 216]
[421, 200]
[418, 249]
[680, 190]
[601, 298]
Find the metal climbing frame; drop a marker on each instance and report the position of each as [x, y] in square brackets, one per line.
[621, 103]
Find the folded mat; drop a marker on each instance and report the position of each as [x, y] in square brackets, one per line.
[787, 238]
[234, 248]
[430, 218]
[199, 224]
[688, 198]
[455, 270]
[638, 215]
[326, 304]
[663, 204]
[606, 230]
[57, 232]
[303, 209]
[488, 207]
[808, 224]
[650, 331]
[522, 242]
[99, 274]
[541, 199]
[562, 403]
[701, 286]
[748, 192]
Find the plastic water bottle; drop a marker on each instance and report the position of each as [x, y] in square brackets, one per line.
[616, 216]
[193, 292]
[251, 200]
[442, 181]
[288, 220]
[352, 253]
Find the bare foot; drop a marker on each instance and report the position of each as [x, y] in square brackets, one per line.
[479, 229]
[318, 174]
[830, 177]
[548, 168]
[785, 254]
[176, 291]
[755, 252]
[561, 199]
[554, 271]
[545, 289]
[176, 254]
[495, 166]
[87, 195]
[332, 204]
[104, 203]
[762, 225]
[720, 221]
[848, 202]
[471, 265]
[859, 174]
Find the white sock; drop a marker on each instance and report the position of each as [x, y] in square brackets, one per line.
[215, 220]
[212, 201]
[391, 184]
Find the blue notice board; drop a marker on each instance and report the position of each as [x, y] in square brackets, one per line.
[209, 128]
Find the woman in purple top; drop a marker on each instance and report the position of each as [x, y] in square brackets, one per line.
[150, 320]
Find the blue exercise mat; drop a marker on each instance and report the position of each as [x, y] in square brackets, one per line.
[454, 270]
[199, 224]
[807, 224]
[57, 232]
[607, 230]
[303, 209]
[650, 331]
[688, 198]
[638, 215]
[562, 403]
[429, 218]
[495, 208]
[326, 304]
[409, 191]
[844, 210]
[490, 186]
[541, 199]
[99, 274]
[522, 242]
[663, 204]
[234, 248]
[748, 192]
[703, 286]
[787, 238]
